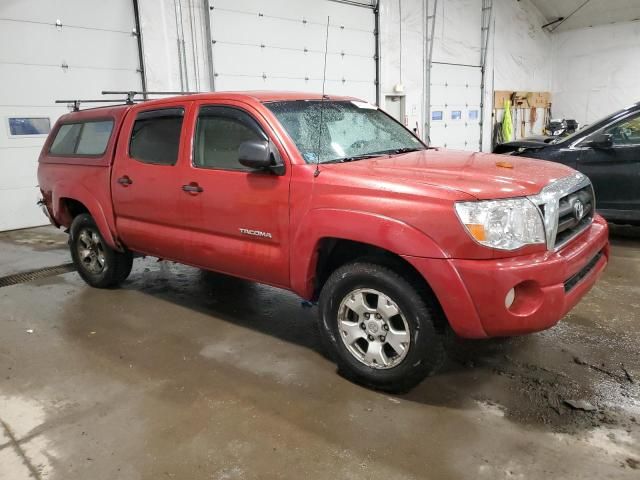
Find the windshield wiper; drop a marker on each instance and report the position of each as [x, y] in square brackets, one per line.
[382, 153]
[406, 150]
[355, 157]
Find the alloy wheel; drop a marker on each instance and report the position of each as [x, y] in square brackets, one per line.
[91, 251]
[373, 328]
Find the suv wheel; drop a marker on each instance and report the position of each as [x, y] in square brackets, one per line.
[98, 264]
[379, 327]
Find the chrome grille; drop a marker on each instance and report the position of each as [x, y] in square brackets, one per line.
[571, 218]
[567, 206]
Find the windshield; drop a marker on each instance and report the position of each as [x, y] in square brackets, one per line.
[350, 130]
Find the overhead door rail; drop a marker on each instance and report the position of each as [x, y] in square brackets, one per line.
[487, 8]
[429, 26]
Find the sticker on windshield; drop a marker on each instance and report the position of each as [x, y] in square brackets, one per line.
[365, 105]
[310, 156]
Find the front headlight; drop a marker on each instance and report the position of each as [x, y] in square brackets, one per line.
[504, 224]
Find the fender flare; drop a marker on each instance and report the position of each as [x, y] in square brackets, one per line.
[380, 231]
[83, 195]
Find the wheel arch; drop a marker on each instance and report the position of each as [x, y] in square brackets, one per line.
[330, 238]
[333, 253]
[79, 200]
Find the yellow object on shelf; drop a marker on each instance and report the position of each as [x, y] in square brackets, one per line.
[507, 124]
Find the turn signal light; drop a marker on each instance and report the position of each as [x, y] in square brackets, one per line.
[477, 231]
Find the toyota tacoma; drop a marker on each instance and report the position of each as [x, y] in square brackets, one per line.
[333, 199]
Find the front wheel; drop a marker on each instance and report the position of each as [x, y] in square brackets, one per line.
[97, 263]
[380, 327]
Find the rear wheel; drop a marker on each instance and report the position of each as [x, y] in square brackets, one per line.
[97, 263]
[380, 327]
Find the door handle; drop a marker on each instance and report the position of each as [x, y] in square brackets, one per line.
[125, 181]
[192, 187]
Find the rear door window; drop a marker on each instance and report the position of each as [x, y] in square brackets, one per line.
[82, 139]
[155, 137]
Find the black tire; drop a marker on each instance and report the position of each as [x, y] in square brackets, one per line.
[426, 351]
[115, 266]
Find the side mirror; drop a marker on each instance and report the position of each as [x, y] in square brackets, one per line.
[600, 140]
[255, 154]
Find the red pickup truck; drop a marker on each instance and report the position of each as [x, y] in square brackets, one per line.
[331, 198]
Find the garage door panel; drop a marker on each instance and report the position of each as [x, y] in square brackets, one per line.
[313, 11]
[19, 208]
[351, 42]
[299, 62]
[455, 106]
[19, 160]
[56, 47]
[297, 35]
[25, 82]
[292, 35]
[282, 45]
[224, 27]
[238, 59]
[351, 69]
[111, 15]
[26, 141]
[237, 82]
[96, 44]
[363, 90]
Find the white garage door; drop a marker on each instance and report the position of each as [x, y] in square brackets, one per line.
[455, 106]
[53, 50]
[279, 45]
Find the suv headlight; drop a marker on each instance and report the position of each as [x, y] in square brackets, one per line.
[504, 224]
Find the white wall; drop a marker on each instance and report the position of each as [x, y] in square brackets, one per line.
[411, 74]
[520, 48]
[595, 71]
[519, 59]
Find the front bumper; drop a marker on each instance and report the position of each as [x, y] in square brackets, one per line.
[547, 285]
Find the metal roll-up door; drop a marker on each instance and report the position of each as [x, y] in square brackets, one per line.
[279, 45]
[455, 106]
[48, 51]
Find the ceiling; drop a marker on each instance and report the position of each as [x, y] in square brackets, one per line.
[594, 12]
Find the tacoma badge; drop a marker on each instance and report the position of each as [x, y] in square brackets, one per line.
[255, 233]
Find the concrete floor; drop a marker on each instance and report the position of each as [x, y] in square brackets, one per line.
[183, 374]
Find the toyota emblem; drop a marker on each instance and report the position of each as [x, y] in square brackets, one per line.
[578, 210]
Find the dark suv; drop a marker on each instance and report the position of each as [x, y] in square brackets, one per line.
[608, 152]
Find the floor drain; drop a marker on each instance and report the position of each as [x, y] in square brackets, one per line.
[36, 274]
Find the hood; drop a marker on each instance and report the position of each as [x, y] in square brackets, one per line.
[482, 175]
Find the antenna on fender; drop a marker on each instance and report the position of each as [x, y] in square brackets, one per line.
[324, 78]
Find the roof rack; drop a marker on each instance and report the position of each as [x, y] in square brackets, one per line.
[75, 104]
[131, 94]
[130, 98]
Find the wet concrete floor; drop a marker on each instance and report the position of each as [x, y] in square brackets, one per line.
[183, 374]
